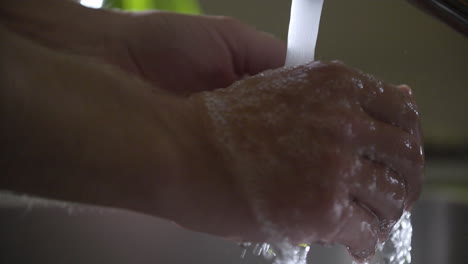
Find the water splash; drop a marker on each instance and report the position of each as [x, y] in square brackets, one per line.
[281, 253]
[291, 254]
[397, 250]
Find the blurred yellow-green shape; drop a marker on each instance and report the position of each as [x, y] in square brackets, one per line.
[179, 6]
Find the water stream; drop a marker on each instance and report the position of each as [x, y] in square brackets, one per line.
[397, 250]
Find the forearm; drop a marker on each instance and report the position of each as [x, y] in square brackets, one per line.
[62, 137]
[75, 130]
[83, 131]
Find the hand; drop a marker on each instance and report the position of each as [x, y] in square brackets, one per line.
[192, 53]
[321, 153]
[179, 53]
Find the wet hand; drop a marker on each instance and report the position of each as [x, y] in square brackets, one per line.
[321, 153]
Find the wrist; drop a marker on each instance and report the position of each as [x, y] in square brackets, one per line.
[201, 193]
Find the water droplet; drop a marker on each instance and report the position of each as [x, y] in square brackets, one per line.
[358, 83]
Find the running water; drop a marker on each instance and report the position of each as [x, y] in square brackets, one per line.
[397, 250]
[303, 31]
[280, 253]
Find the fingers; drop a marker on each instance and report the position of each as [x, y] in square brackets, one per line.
[390, 104]
[385, 143]
[382, 191]
[397, 150]
[360, 232]
[252, 51]
[390, 132]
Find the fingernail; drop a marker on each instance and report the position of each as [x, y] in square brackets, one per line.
[405, 88]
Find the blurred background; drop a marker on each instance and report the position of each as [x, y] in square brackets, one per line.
[390, 39]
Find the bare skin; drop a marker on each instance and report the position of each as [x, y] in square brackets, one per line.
[319, 153]
[207, 52]
[322, 152]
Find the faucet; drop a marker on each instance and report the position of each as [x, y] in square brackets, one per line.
[452, 12]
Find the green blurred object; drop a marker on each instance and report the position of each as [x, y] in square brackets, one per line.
[179, 6]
